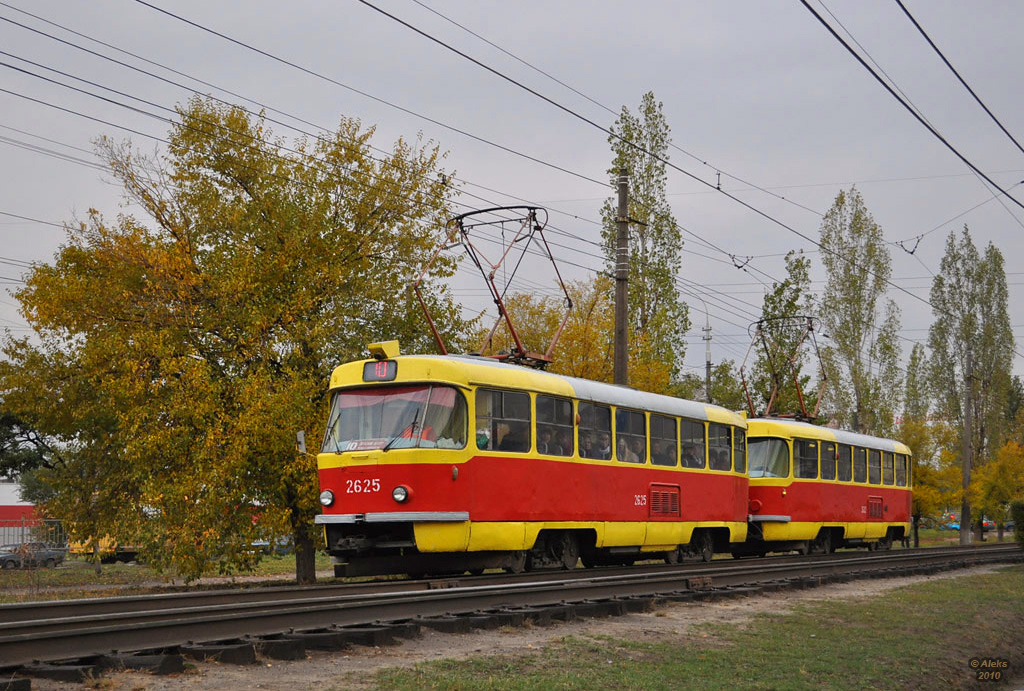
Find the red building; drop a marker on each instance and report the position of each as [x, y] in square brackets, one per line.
[12, 508]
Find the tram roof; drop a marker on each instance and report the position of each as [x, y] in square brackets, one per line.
[476, 370]
[782, 426]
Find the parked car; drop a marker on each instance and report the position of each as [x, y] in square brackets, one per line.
[30, 554]
[987, 524]
[279, 547]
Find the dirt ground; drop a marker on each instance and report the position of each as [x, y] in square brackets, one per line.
[353, 668]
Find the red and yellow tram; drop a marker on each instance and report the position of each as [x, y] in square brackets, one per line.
[816, 489]
[440, 464]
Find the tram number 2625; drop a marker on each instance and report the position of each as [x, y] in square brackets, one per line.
[364, 486]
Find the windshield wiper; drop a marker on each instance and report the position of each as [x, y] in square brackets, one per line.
[411, 428]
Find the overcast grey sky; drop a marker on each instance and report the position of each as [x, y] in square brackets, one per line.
[756, 89]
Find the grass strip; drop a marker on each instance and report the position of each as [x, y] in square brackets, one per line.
[921, 636]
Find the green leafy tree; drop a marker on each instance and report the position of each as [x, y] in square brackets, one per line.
[970, 298]
[1014, 401]
[863, 360]
[22, 449]
[658, 319]
[916, 399]
[179, 353]
[726, 387]
[780, 355]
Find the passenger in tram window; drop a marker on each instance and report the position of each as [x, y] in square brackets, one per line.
[639, 452]
[544, 444]
[720, 459]
[604, 446]
[690, 459]
[515, 439]
[587, 446]
[563, 443]
[624, 453]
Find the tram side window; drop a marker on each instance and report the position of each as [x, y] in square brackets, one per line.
[807, 458]
[739, 449]
[503, 420]
[664, 441]
[595, 431]
[828, 460]
[860, 464]
[874, 466]
[843, 465]
[719, 447]
[901, 470]
[693, 443]
[554, 426]
[630, 436]
[887, 469]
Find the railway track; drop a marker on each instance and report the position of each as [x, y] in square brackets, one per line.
[319, 616]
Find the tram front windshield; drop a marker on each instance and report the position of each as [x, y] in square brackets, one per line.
[396, 417]
[768, 457]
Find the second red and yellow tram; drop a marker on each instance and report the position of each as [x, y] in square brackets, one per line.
[816, 489]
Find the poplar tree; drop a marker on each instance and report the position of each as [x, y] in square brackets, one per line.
[177, 353]
[969, 299]
[658, 319]
[916, 399]
[782, 325]
[863, 360]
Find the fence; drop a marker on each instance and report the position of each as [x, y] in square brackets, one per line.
[18, 530]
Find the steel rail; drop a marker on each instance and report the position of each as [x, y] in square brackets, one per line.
[40, 632]
[66, 609]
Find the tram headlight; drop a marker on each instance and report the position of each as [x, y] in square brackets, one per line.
[327, 497]
[400, 494]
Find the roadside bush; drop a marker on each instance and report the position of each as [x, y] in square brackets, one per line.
[1017, 513]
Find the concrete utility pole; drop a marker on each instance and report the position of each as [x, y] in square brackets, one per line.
[707, 357]
[621, 355]
[965, 456]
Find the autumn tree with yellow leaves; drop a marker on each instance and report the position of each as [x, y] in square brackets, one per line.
[585, 348]
[995, 485]
[176, 353]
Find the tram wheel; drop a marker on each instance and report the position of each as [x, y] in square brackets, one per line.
[567, 550]
[822, 544]
[705, 546]
[518, 564]
[674, 556]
